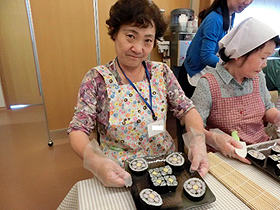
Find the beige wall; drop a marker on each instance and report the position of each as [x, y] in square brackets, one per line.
[17, 67]
[65, 38]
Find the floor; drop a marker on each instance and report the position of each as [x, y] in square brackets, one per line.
[34, 175]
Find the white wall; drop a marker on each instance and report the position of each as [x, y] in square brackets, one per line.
[267, 11]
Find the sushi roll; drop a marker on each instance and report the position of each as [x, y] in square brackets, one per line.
[275, 150]
[256, 156]
[165, 170]
[171, 182]
[138, 166]
[159, 184]
[176, 161]
[277, 170]
[154, 172]
[150, 199]
[194, 189]
[273, 160]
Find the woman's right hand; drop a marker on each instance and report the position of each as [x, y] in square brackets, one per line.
[111, 174]
[103, 168]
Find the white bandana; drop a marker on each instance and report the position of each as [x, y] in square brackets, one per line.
[246, 36]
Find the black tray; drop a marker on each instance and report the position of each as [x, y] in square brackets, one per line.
[171, 200]
[265, 148]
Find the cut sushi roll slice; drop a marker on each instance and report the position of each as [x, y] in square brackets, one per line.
[138, 166]
[154, 172]
[277, 170]
[159, 184]
[194, 189]
[150, 199]
[273, 160]
[275, 150]
[171, 182]
[165, 170]
[256, 156]
[175, 160]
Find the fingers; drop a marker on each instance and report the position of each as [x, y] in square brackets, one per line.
[244, 160]
[200, 163]
[235, 143]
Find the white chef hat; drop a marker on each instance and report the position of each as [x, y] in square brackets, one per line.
[246, 36]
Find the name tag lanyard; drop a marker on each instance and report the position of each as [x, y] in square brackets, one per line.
[150, 106]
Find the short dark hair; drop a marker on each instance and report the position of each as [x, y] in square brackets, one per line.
[140, 13]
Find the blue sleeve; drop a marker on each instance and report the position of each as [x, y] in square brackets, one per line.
[212, 33]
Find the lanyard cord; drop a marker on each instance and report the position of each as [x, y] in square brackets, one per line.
[150, 106]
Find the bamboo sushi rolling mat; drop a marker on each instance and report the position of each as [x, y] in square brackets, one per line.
[254, 196]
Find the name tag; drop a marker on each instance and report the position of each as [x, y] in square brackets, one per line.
[156, 127]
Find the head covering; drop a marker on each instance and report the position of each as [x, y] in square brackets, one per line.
[246, 36]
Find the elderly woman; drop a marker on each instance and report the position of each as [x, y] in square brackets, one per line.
[128, 99]
[234, 97]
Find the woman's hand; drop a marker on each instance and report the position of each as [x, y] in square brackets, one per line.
[197, 154]
[103, 168]
[111, 174]
[226, 145]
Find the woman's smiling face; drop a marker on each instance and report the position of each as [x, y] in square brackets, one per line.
[134, 44]
[238, 5]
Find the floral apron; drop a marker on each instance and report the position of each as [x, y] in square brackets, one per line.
[127, 134]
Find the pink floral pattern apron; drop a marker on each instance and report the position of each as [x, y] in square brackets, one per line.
[127, 134]
[242, 113]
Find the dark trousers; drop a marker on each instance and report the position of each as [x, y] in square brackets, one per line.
[188, 89]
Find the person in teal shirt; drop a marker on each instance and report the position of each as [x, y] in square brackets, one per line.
[272, 72]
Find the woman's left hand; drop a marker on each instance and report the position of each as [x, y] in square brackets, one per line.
[226, 145]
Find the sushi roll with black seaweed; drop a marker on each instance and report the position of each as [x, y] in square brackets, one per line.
[273, 160]
[154, 172]
[194, 189]
[138, 166]
[165, 170]
[277, 170]
[159, 184]
[150, 199]
[275, 150]
[171, 182]
[175, 160]
[256, 156]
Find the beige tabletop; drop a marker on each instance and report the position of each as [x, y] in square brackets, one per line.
[90, 194]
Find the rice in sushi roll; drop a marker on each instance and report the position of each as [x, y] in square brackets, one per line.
[159, 184]
[256, 156]
[194, 189]
[150, 199]
[154, 172]
[165, 170]
[275, 150]
[171, 182]
[175, 160]
[138, 166]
